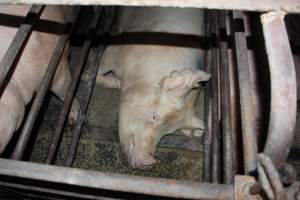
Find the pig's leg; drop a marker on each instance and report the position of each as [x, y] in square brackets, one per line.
[106, 76]
[193, 126]
[12, 108]
[60, 87]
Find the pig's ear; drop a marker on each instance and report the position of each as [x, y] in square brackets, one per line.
[178, 84]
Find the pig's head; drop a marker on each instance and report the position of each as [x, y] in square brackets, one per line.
[147, 113]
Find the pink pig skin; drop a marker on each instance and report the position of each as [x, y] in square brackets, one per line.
[30, 70]
[157, 82]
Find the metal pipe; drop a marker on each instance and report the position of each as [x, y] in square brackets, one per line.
[283, 88]
[245, 93]
[225, 101]
[116, 182]
[56, 192]
[253, 5]
[207, 108]
[104, 26]
[38, 100]
[215, 129]
[16, 46]
[72, 88]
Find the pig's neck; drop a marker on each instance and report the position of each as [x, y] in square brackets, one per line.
[139, 85]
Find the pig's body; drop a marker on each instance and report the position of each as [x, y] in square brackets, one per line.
[29, 70]
[156, 81]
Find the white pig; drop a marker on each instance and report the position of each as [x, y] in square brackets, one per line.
[157, 82]
[29, 70]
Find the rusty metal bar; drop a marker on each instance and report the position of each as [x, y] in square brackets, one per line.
[72, 88]
[38, 100]
[16, 47]
[283, 88]
[254, 5]
[207, 109]
[225, 101]
[215, 128]
[245, 93]
[116, 182]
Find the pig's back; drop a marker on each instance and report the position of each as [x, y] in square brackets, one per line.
[37, 52]
[150, 63]
[158, 19]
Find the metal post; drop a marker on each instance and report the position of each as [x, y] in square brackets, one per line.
[215, 122]
[207, 154]
[225, 101]
[246, 94]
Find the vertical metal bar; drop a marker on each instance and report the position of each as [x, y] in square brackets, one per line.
[16, 46]
[246, 94]
[215, 129]
[38, 100]
[104, 26]
[72, 88]
[207, 105]
[283, 88]
[84, 106]
[225, 100]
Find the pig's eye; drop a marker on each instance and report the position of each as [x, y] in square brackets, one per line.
[154, 116]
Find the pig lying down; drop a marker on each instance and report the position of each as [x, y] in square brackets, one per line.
[158, 83]
[29, 70]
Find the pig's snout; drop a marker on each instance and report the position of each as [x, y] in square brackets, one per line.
[137, 158]
[142, 162]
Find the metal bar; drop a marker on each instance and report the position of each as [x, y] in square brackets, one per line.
[15, 48]
[72, 88]
[115, 182]
[254, 5]
[13, 194]
[50, 191]
[283, 88]
[246, 94]
[104, 26]
[38, 100]
[207, 107]
[225, 100]
[215, 129]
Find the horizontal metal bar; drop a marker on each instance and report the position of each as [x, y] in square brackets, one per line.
[283, 88]
[16, 46]
[115, 182]
[292, 6]
[28, 189]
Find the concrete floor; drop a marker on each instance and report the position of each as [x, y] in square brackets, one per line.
[179, 157]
